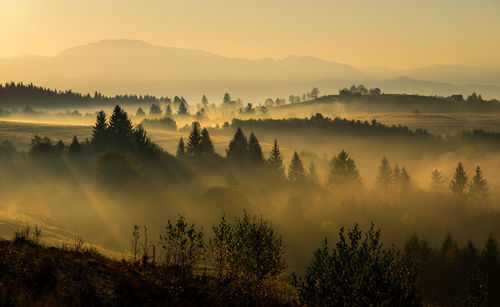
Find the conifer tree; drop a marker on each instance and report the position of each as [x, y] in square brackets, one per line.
[405, 180]
[75, 148]
[121, 129]
[142, 141]
[182, 109]
[254, 149]
[478, 188]
[168, 110]
[275, 158]
[313, 173]
[206, 144]
[60, 146]
[343, 169]
[180, 148]
[437, 180]
[396, 175]
[296, 171]
[193, 145]
[459, 182]
[384, 176]
[140, 112]
[100, 132]
[238, 147]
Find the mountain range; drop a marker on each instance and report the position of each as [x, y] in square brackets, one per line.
[133, 66]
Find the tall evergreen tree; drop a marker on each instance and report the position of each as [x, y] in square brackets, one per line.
[75, 148]
[142, 141]
[238, 147]
[100, 132]
[343, 169]
[275, 158]
[405, 180]
[121, 129]
[254, 149]
[181, 151]
[459, 182]
[168, 110]
[384, 176]
[206, 144]
[296, 171]
[396, 175]
[193, 145]
[478, 188]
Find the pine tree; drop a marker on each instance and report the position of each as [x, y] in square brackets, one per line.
[478, 188]
[180, 148]
[100, 132]
[384, 177]
[206, 144]
[75, 148]
[275, 158]
[459, 182]
[396, 175]
[142, 141]
[405, 180]
[193, 145]
[204, 101]
[343, 169]
[168, 110]
[254, 149]
[238, 147]
[313, 173]
[182, 109]
[140, 112]
[296, 171]
[437, 180]
[121, 129]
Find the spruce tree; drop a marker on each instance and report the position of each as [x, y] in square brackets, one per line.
[180, 148]
[437, 180]
[142, 141]
[296, 171]
[405, 180]
[384, 176]
[75, 148]
[478, 188]
[168, 110]
[459, 182]
[238, 147]
[100, 132]
[193, 146]
[206, 144]
[396, 175]
[343, 169]
[275, 158]
[121, 129]
[254, 149]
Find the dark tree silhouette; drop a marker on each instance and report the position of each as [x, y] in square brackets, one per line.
[121, 130]
[384, 176]
[155, 109]
[168, 110]
[343, 169]
[182, 109]
[181, 151]
[75, 148]
[254, 149]
[296, 171]
[60, 146]
[206, 143]
[437, 180]
[100, 133]
[238, 147]
[459, 182]
[140, 112]
[478, 189]
[193, 145]
[275, 158]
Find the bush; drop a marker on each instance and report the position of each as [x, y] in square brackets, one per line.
[359, 271]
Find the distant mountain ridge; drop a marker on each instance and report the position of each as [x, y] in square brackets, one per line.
[134, 66]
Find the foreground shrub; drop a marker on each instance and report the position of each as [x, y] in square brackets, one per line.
[359, 271]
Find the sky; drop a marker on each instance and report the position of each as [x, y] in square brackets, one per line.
[362, 33]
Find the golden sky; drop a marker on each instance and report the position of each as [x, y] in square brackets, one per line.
[395, 33]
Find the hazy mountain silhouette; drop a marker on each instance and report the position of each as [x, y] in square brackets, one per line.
[134, 66]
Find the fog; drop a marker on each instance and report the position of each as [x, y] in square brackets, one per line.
[100, 201]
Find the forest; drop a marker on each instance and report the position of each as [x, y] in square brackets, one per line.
[249, 226]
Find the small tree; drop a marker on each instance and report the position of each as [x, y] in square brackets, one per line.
[312, 174]
[155, 109]
[135, 242]
[206, 144]
[384, 176]
[343, 169]
[296, 171]
[359, 271]
[478, 188]
[193, 145]
[437, 180]
[238, 147]
[254, 149]
[181, 151]
[459, 182]
[275, 158]
[140, 112]
[75, 148]
[183, 245]
[182, 109]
